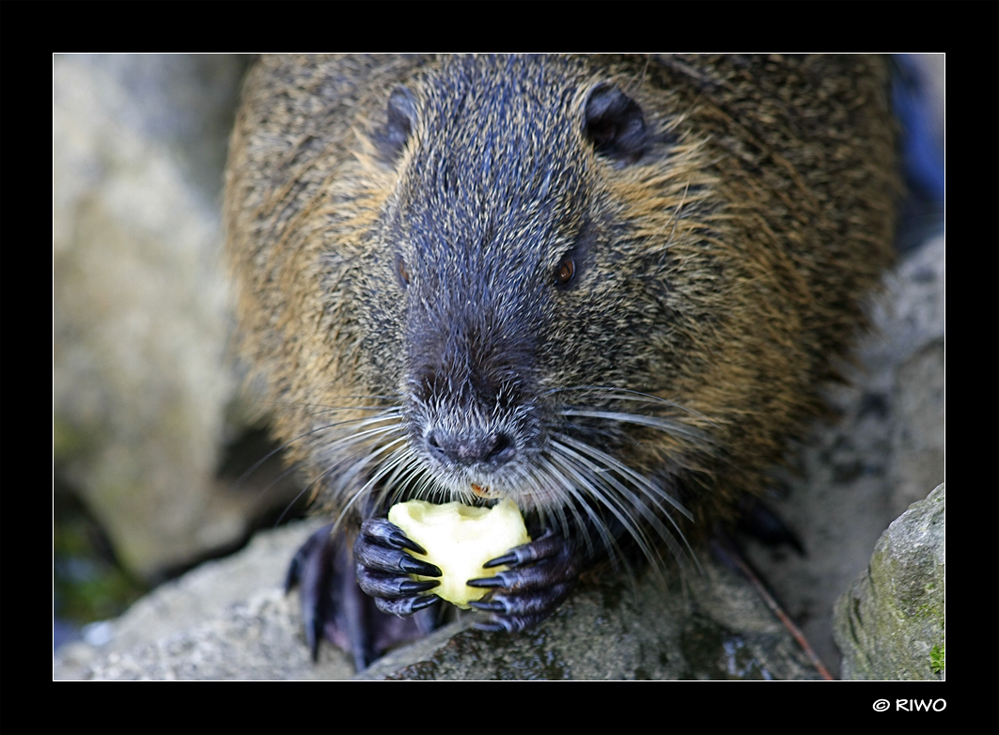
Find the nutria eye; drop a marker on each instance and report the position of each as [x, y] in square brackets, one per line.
[400, 267]
[565, 271]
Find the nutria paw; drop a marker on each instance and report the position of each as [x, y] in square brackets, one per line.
[541, 575]
[314, 568]
[384, 565]
[334, 608]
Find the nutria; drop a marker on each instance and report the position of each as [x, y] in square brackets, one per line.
[608, 288]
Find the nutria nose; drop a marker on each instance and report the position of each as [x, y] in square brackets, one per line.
[471, 448]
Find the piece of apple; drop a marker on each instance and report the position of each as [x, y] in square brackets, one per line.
[460, 539]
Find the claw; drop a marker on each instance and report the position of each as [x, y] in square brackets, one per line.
[404, 542]
[416, 566]
[496, 581]
[489, 606]
[411, 585]
[508, 558]
[424, 602]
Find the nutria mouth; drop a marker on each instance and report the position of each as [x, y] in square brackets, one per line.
[485, 492]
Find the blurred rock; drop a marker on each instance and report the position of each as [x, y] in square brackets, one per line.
[144, 400]
[890, 623]
[230, 620]
[859, 473]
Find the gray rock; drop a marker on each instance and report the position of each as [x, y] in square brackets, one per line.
[227, 619]
[854, 476]
[890, 623]
[715, 628]
[230, 620]
[143, 397]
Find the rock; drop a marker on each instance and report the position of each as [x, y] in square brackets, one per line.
[229, 619]
[719, 629]
[144, 399]
[890, 623]
[856, 474]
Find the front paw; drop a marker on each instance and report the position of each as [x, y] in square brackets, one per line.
[541, 575]
[384, 567]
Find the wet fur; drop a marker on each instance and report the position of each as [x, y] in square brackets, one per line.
[386, 287]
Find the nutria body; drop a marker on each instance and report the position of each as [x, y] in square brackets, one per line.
[607, 288]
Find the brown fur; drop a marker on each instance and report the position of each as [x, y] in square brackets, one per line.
[752, 229]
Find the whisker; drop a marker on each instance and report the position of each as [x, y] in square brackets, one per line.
[568, 485]
[640, 480]
[609, 542]
[256, 465]
[626, 394]
[291, 504]
[656, 422]
[652, 491]
[359, 464]
[380, 405]
[345, 480]
[550, 498]
[360, 492]
[615, 553]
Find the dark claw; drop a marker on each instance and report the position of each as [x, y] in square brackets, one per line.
[401, 541]
[380, 532]
[423, 602]
[379, 550]
[489, 606]
[411, 585]
[403, 607]
[496, 581]
[541, 575]
[546, 546]
[418, 566]
[512, 623]
[508, 558]
[383, 568]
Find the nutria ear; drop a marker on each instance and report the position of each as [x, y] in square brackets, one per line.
[401, 118]
[614, 123]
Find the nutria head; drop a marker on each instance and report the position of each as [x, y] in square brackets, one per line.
[520, 297]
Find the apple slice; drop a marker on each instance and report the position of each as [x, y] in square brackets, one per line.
[460, 539]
